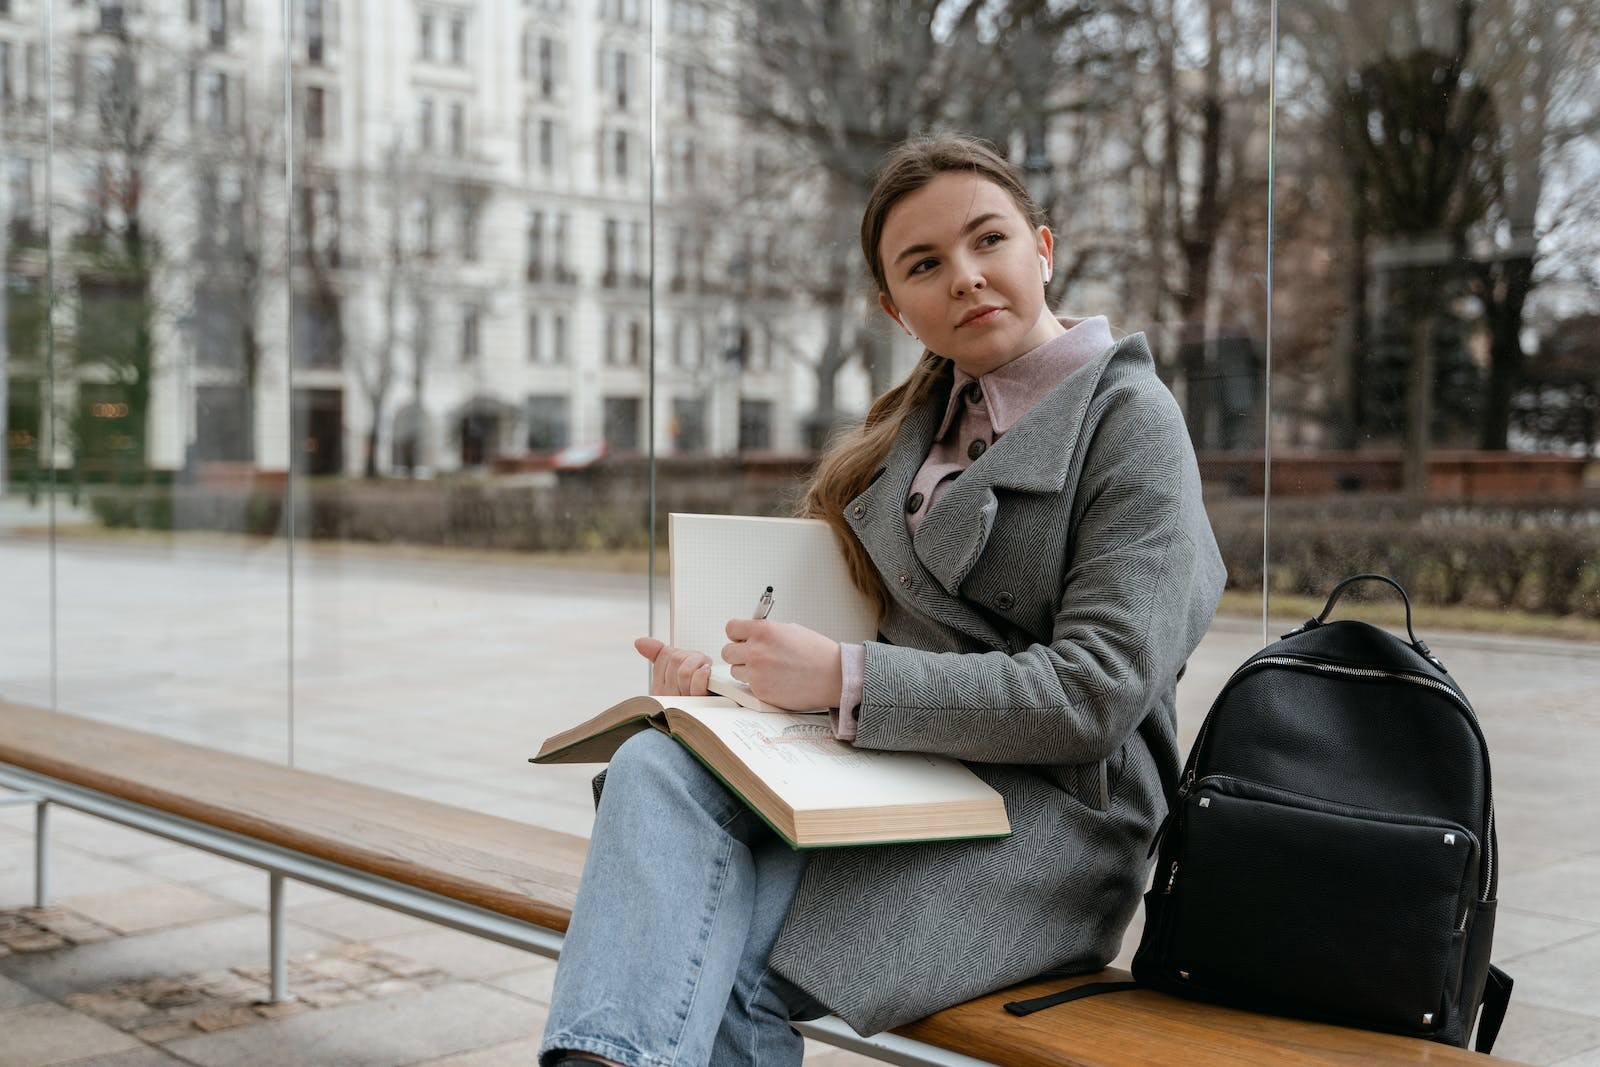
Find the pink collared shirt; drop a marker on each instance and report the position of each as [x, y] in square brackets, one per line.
[980, 410]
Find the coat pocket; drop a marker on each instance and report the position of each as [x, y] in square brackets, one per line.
[1304, 906]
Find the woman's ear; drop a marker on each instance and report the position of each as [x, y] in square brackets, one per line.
[1045, 242]
[889, 310]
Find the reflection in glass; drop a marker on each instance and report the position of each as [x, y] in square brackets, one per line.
[1436, 166]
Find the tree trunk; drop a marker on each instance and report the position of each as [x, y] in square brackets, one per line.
[1419, 386]
[1503, 292]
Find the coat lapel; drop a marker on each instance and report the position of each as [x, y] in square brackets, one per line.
[1037, 455]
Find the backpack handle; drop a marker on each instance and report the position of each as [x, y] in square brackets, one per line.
[1338, 591]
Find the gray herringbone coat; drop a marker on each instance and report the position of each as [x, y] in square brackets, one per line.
[1040, 618]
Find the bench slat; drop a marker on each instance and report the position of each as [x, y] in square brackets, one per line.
[524, 871]
[1138, 1028]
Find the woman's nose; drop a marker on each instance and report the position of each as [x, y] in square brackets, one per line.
[967, 280]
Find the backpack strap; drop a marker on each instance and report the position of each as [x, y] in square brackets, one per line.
[1067, 996]
[1338, 591]
[1496, 995]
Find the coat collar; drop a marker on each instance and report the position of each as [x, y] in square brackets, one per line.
[1038, 455]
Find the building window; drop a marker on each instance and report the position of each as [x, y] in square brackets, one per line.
[425, 36]
[558, 250]
[111, 16]
[620, 416]
[216, 99]
[755, 426]
[470, 325]
[469, 227]
[535, 245]
[217, 23]
[314, 31]
[547, 423]
[535, 340]
[316, 119]
[689, 424]
[547, 68]
[458, 41]
[558, 338]
[317, 330]
[422, 225]
[547, 145]
[458, 130]
[620, 88]
[635, 342]
[609, 276]
[619, 153]
[425, 124]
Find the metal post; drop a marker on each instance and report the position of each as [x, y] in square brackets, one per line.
[41, 854]
[279, 949]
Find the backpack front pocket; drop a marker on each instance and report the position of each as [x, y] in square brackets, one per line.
[1305, 906]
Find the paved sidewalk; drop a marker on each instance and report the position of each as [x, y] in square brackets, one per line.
[436, 676]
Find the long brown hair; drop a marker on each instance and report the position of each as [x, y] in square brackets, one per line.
[847, 467]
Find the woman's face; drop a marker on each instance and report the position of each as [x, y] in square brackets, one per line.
[964, 273]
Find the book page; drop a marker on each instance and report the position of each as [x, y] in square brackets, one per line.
[722, 563]
[799, 759]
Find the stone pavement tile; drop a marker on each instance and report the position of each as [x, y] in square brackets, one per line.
[1533, 1034]
[1517, 931]
[1582, 1059]
[39, 1035]
[250, 888]
[71, 874]
[518, 1053]
[390, 1032]
[534, 983]
[1562, 976]
[356, 919]
[1561, 822]
[142, 1057]
[217, 944]
[100, 837]
[463, 955]
[182, 864]
[15, 995]
[152, 907]
[1566, 889]
[821, 1055]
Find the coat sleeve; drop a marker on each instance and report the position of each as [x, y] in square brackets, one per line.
[1138, 590]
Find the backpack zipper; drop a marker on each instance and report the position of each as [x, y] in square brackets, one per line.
[1359, 672]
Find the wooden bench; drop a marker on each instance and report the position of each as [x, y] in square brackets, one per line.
[515, 883]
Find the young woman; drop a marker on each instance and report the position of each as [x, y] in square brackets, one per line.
[1025, 509]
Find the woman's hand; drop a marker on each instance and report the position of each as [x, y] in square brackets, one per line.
[674, 672]
[785, 664]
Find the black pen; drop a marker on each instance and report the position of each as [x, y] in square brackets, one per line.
[764, 605]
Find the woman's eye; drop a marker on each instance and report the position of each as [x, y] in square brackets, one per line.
[923, 265]
[989, 240]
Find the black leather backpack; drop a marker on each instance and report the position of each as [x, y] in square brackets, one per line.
[1330, 853]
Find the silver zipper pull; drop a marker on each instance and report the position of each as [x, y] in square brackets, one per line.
[1172, 877]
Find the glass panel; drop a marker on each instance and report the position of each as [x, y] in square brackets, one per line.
[1436, 385]
[166, 233]
[1141, 132]
[26, 489]
[470, 337]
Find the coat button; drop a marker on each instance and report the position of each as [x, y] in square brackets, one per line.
[976, 449]
[1005, 601]
[905, 579]
[913, 503]
[859, 510]
[973, 393]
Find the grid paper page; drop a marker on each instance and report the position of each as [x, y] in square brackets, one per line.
[721, 564]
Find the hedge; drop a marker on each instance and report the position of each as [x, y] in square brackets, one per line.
[1536, 555]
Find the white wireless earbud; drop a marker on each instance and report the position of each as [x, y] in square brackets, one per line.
[1044, 269]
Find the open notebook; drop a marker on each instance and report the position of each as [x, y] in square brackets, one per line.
[811, 788]
[722, 563]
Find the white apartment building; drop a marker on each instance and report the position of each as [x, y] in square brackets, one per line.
[461, 261]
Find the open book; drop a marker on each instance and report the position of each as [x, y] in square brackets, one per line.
[721, 564]
[810, 788]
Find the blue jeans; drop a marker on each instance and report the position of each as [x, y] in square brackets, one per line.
[683, 893]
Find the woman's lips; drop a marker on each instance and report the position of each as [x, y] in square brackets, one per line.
[981, 318]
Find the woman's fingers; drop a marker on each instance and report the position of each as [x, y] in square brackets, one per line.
[674, 671]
